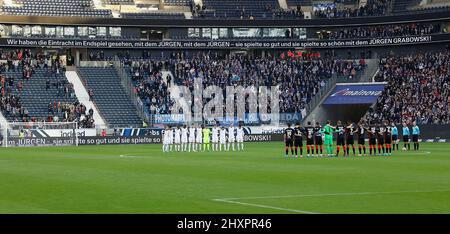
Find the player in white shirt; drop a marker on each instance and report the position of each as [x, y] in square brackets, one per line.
[240, 137]
[165, 147]
[231, 138]
[223, 139]
[191, 139]
[184, 138]
[177, 139]
[198, 138]
[215, 138]
[170, 138]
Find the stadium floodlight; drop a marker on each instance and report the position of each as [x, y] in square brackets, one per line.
[39, 134]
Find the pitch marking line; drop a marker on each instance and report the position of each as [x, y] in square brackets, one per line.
[127, 156]
[233, 200]
[415, 153]
[333, 194]
[265, 206]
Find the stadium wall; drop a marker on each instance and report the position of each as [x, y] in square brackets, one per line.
[223, 43]
[430, 133]
[375, 20]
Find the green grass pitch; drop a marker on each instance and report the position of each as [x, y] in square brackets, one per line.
[95, 179]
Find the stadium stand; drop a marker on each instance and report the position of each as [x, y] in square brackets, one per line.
[73, 8]
[299, 79]
[110, 96]
[417, 90]
[239, 8]
[415, 6]
[245, 9]
[35, 89]
[373, 8]
[412, 29]
[151, 86]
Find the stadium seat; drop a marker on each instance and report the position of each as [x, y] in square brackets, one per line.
[110, 96]
[73, 8]
[34, 96]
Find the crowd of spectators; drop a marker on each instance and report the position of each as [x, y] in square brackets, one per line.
[73, 112]
[373, 8]
[96, 55]
[28, 63]
[417, 90]
[151, 86]
[269, 12]
[279, 13]
[299, 79]
[11, 106]
[412, 29]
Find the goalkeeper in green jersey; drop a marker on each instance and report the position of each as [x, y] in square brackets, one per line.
[328, 131]
[206, 135]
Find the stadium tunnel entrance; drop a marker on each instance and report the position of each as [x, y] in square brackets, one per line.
[347, 102]
[344, 112]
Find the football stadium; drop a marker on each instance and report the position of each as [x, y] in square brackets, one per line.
[225, 107]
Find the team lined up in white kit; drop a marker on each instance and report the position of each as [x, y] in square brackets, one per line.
[198, 138]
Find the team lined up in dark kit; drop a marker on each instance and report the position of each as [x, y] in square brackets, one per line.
[383, 137]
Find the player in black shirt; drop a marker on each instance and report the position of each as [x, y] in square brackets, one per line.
[289, 140]
[318, 133]
[309, 133]
[350, 130]
[361, 138]
[388, 138]
[380, 139]
[340, 129]
[372, 140]
[298, 141]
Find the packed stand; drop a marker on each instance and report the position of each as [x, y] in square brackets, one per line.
[373, 8]
[300, 79]
[151, 86]
[417, 89]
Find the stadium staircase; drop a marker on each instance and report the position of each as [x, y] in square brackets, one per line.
[110, 96]
[198, 2]
[173, 88]
[283, 4]
[371, 70]
[83, 96]
[34, 96]
[172, 82]
[188, 15]
[3, 120]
